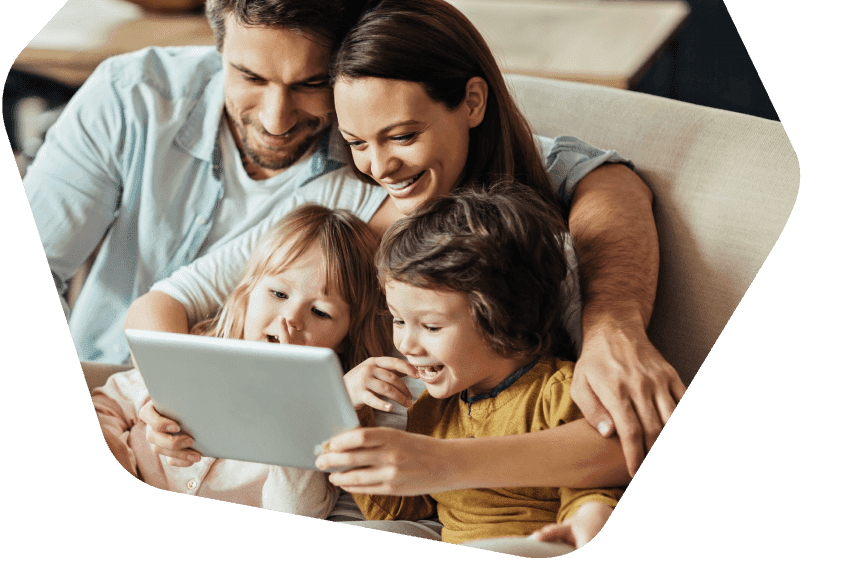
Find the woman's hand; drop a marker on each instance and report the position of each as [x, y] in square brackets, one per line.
[622, 384]
[579, 528]
[386, 461]
[163, 436]
[381, 376]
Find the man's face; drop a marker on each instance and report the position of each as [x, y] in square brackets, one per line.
[276, 94]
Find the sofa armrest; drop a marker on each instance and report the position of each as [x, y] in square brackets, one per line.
[96, 373]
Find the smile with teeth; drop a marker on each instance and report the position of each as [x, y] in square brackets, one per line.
[404, 184]
[429, 372]
[272, 338]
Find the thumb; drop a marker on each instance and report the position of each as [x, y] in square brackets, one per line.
[590, 406]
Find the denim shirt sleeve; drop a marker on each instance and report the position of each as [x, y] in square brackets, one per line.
[568, 160]
[74, 183]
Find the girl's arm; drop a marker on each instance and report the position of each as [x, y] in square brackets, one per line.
[394, 462]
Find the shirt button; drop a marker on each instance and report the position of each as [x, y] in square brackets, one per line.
[192, 484]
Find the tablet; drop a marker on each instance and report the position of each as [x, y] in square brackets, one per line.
[245, 400]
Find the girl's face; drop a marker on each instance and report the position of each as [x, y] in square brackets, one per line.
[411, 145]
[295, 308]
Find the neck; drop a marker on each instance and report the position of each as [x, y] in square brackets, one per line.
[501, 372]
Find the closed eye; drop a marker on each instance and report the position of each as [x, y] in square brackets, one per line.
[404, 138]
[320, 314]
[431, 328]
[355, 144]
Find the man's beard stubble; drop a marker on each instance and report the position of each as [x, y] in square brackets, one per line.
[317, 127]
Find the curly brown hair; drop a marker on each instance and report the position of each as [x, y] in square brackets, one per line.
[504, 247]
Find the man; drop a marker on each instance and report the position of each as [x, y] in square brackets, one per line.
[167, 154]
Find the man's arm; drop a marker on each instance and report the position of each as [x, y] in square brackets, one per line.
[621, 381]
[74, 183]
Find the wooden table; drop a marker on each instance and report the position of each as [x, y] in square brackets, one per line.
[85, 32]
[596, 41]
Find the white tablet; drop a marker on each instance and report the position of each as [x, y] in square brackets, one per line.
[245, 400]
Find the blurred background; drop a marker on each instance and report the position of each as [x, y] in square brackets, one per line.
[684, 50]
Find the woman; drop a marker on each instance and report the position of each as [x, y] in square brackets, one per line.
[424, 109]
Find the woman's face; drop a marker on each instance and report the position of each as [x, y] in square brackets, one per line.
[411, 145]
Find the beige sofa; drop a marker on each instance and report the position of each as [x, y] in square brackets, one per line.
[724, 185]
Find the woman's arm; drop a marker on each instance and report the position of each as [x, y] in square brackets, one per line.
[621, 381]
[394, 462]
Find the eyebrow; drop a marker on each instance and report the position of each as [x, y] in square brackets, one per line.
[386, 129]
[321, 77]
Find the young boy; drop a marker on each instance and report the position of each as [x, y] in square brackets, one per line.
[474, 285]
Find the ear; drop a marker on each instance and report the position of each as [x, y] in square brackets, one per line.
[476, 100]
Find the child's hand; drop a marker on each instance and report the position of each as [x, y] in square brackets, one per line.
[162, 436]
[379, 375]
[579, 528]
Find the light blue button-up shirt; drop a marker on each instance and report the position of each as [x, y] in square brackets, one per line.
[135, 156]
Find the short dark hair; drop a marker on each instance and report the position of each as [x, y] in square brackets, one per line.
[328, 19]
[432, 43]
[501, 245]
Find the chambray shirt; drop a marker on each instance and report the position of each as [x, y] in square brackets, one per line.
[136, 157]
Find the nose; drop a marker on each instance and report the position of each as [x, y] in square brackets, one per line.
[292, 316]
[406, 342]
[277, 113]
[382, 163]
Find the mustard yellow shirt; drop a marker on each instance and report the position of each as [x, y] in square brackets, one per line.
[538, 400]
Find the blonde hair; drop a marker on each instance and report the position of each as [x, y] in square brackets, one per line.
[348, 248]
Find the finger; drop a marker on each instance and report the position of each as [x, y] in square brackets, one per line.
[677, 388]
[590, 406]
[557, 533]
[665, 403]
[156, 420]
[373, 401]
[363, 480]
[357, 439]
[168, 441]
[647, 412]
[395, 364]
[348, 460]
[180, 458]
[390, 386]
[630, 433]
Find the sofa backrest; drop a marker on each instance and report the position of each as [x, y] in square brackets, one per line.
[723, 183]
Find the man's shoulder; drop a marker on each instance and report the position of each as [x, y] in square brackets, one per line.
[172, 72]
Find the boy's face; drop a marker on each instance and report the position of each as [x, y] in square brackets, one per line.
[435, 330]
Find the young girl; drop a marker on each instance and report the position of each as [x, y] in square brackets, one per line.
[473, 285]
[311, 281]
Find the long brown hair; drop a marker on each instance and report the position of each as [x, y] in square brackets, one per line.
[348, 247]
[432, 43]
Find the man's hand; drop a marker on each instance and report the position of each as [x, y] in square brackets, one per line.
[163, 436]
[579, 528]
[386, 461]
[622, 383]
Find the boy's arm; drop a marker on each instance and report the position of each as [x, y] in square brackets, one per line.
[622, 383]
